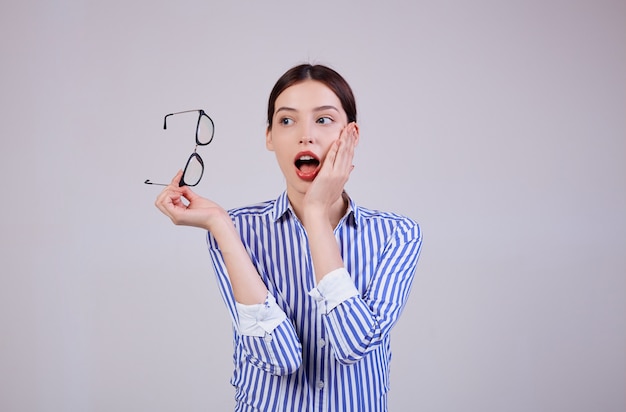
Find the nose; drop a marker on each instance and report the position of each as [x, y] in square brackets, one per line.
[306, 135]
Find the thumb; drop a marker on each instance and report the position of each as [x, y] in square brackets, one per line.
[177, 178]
[188, 193]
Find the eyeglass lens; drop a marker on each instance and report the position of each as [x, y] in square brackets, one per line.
[193, 171]
[205, 130]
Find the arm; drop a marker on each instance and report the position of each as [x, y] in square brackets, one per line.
[354, 324]
[267, 336]
[247, 286]
[263, 331]
[357, 324]
[324, 205]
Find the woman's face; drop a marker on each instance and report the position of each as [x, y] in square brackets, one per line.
[308, 118]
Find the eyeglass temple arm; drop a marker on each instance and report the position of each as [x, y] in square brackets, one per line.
[172, 114]
[148, 182]
[181, 183]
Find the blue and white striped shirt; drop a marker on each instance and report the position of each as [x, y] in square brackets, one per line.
[321, 347]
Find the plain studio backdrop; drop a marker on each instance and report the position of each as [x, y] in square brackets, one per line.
[498, 125]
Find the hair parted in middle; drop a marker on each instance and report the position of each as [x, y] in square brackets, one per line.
[333, 80]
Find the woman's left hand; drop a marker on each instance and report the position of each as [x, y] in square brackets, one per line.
[334, 173]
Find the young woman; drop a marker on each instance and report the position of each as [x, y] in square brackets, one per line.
[313, 282]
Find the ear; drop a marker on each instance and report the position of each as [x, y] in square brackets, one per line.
[269, 143]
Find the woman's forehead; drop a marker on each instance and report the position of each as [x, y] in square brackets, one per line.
[306, 95]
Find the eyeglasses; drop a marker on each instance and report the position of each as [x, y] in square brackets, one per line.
[195, 166]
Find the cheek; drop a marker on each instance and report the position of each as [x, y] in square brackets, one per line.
[327, 144]
[282, 136]
[329, 135]
[283, 156]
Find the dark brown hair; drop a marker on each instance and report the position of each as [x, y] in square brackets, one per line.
[323, 74]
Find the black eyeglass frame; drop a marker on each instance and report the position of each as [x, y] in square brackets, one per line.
[193, 155]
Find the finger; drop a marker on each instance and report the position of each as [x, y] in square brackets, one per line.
[354, 126]
[172, 191]
[354, 134]
[329, 161]
[167, 199]
[187, 193]
[177, 178]
[345, 153]
[341, 153]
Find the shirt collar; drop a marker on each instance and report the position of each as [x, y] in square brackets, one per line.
[281, 206]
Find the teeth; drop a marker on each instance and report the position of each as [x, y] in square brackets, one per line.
[306, 158]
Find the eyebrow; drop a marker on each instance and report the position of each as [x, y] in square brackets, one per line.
[317, 109]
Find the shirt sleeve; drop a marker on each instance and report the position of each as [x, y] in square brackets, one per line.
[263, 331]
[259, 319]
[334, 288]
[268, 337]
[357, 324]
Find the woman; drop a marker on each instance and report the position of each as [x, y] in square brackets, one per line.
[313, 282]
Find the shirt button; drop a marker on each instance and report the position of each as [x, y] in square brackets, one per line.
[320, 385]
[267, 337]
[321, 343]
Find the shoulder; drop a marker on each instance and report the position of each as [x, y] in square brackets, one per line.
[253, 210]
[246, 217]
[402, 226]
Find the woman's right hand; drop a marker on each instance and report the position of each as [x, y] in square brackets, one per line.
[184, 207]
[196, 211]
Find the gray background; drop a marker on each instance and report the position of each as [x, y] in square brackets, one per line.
[498, 125]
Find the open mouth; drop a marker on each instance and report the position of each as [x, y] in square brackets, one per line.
[307, 165]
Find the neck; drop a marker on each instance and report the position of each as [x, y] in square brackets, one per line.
[336, 211]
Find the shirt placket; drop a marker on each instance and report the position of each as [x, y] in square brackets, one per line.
[319, 364]
[322, 382]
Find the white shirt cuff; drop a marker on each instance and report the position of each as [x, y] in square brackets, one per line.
[334, 288]
[261, 318]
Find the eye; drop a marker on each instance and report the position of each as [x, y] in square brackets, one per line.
[285, 121]
[325, 120]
